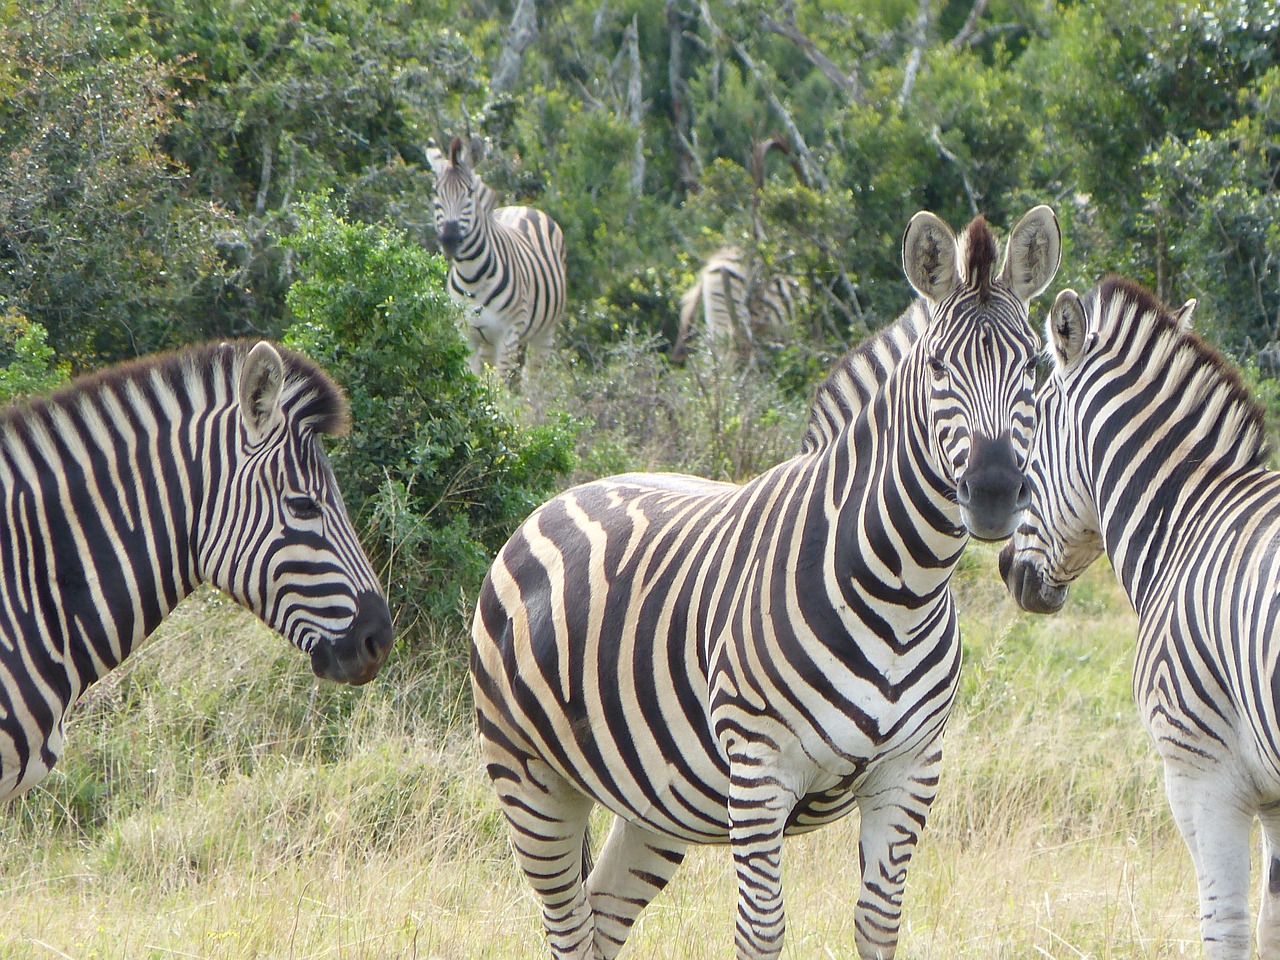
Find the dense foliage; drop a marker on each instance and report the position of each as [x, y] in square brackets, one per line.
[442, 472]
[156, 160]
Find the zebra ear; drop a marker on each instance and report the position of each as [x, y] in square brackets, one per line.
[929, 256]
[1182, 316]
[1066, 327]
[1033, 254]
[261, 379]
[437, 161]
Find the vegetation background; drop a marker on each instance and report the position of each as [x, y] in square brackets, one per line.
[186, 169]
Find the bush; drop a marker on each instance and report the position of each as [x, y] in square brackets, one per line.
[30, 365]
[435, 470]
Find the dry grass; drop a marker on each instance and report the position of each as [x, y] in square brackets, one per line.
[215, 803]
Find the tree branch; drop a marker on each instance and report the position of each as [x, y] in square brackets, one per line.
[847, 82]
[970, 24]
[919, 37]
[809, 168]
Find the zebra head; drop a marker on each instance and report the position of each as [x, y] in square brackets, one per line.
[1060, 533]
[275, 534]
[976, 358]
[463, 202]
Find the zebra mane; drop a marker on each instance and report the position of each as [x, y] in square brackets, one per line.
[859, 376]
[977, 256]
[1128, 314]
[309, 394]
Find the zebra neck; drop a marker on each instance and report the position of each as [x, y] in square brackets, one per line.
[479, 259]
[1156, 513]
[897, 521]
[96, 549]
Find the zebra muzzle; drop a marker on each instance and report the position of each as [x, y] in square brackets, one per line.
[357, 657]
[993, 491]
[1027, 585]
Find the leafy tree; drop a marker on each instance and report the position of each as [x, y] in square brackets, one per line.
[98, 243]
[436, 468]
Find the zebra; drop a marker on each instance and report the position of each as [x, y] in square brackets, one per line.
[716, 663]
[125, 490]
[1150, 449]
[506, 267]
[739, 306]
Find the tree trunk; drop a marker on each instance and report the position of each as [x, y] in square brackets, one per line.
[681, 121]
[520, 36]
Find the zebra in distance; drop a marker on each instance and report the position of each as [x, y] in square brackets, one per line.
[124, 491]
[1150, 449]
[740, 306]
[506, 267]
[716, 663]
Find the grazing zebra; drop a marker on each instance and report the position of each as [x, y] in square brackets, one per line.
[1149, 448]
[739, 306]
[506, 268]
[123, 492]
[717, 663]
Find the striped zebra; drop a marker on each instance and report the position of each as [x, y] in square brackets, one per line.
[506, 267]
[1150, 449]
[123, 492]
[717, 663]
[738, 306]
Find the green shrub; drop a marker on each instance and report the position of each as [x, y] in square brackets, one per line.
[30, 365]
[436, 469]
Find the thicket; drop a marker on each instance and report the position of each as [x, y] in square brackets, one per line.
[157, 160]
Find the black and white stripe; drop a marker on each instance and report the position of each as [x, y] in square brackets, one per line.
[1150, 449]
[507, 268]
[735, 307]
[727, 664]
[122, 493]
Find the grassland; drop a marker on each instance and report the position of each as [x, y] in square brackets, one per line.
[216, 802]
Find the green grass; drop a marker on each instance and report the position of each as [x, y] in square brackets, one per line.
[216, 802]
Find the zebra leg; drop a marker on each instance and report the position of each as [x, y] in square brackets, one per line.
[536, 351]
[483, 352]
[1269, 911]
[634, 865]
[508, 356]
[1216, 830]
[547, 819]
[759, 805]
[894, 801]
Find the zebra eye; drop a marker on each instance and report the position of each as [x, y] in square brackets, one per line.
[938, 367]
[302, 507]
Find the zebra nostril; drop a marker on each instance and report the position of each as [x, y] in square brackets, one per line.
[963, 493]
[1024, 496]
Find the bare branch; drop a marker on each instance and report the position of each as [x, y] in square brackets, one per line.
[970, 24]
[809, 168]
[936, 136]
[847, 82]
[919, 37]
[686, 163]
